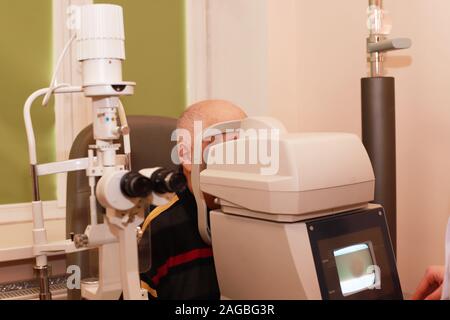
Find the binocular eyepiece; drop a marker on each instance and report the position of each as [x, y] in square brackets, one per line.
[136, 185]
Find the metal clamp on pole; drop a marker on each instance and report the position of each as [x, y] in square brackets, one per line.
[380, 26]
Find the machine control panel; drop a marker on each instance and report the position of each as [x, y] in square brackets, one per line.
[354, 257]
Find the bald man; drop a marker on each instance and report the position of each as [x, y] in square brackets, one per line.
[182, 264]
[205, 114]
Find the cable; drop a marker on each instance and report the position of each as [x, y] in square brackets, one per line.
[53, 84]
[124, 123]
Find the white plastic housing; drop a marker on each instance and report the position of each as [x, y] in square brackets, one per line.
[109, 193]
[101, 34]
[101, 71]
[101, 51]
[105, 119]
[321, 174]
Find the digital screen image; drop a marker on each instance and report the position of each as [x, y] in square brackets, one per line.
[355, 268]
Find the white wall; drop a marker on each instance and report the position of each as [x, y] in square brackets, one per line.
[236, 53]
[423, 131]
[302, 60]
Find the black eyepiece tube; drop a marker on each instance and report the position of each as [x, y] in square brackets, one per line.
[135, 185]
[167, 181]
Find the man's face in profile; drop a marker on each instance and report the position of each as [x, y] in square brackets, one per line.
[198, 117]
[206, 145]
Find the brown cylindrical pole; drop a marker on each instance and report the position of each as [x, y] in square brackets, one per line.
[379, 137]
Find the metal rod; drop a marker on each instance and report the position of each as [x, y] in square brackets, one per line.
[34, 176]
[42, 274]
[376, 60]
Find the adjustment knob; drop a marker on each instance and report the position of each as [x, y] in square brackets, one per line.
[81, 241]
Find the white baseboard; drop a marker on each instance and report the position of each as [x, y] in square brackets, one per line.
[21, 213]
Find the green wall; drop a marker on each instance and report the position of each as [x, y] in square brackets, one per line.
[25, 66]
[155, 60]
[155, 48]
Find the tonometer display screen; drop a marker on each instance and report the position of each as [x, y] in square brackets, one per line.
[355, 268]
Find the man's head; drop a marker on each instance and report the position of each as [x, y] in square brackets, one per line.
[207, 113]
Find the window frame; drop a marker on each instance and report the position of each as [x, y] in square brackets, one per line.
[72, 114]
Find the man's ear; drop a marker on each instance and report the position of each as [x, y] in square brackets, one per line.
[185, 155]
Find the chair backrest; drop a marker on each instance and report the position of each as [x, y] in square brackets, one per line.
[151, 146]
